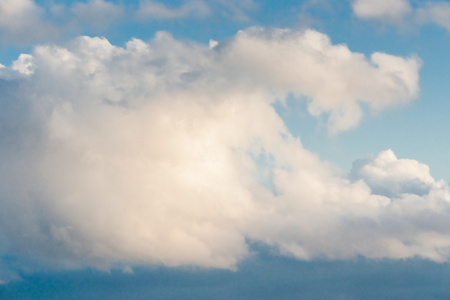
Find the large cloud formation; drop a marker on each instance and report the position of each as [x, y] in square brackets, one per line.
[171, 152]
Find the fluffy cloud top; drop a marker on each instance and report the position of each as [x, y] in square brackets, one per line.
[171, 152]
[386, 175]
[335, 79]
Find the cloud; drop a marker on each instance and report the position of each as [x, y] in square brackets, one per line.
[98, 14]
[320, 215]
[25, 22]
[236, 9]
[389, 11]
[22, 21]
[334, 80]
[389, 176]
[24, 64]
[171, 153]
[435, 12]
[401, 12]
[149, 10]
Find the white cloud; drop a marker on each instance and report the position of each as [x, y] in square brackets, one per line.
[390, 11]
[150, 10]
[146, 154]
[389, 176]
[24, 64]
[98, 14]
[435, 12]
[335, 79]
[400, 12]
[22, 21]
[213, 43]
[230, 9]
[25, 22]
[237, 9]
[381, 214]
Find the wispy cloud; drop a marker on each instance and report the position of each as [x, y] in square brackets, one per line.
[97, 14]
[236, 10]
[389, 11]
[435, 12]
[152, 10]
[23, 21]
[402, 12]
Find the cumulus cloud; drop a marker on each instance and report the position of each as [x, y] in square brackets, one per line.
[389, 176]
[335, 79]
[24, 64]
[171, 152]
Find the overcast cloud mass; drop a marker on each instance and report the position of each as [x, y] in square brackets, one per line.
[170, 151]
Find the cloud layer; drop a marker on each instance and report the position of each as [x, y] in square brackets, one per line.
[26, 22]
[155, 10]
[171, 152]
[402, 12]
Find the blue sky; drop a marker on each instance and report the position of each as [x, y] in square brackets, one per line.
[180, 149]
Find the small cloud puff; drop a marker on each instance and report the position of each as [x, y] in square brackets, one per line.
[386, 175]
[24, 64]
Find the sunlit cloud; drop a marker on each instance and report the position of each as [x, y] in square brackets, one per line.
[172, 152]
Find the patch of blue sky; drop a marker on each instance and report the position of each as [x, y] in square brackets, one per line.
[265, 163]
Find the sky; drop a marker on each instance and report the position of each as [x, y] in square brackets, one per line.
[224, 149]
